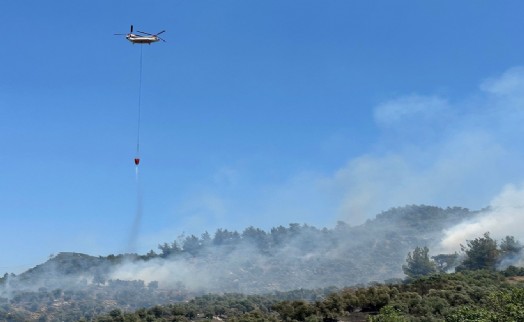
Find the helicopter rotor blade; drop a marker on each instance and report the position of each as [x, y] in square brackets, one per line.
[145, 33]
[131, 29]
[158, 33]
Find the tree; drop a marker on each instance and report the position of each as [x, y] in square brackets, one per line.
[419, 264]
[509, 247]
[3, 280]
[388, 314]
[256, 236]
[510, 250]
[168, 250]
[153, 285]
[206, 239]
[481, 253]
[226, 237]
[99, 278]
[445, 262]
[192, 245]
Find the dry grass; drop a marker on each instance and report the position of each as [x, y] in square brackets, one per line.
[516, 279]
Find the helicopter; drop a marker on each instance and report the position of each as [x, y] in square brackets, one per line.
[145, 38]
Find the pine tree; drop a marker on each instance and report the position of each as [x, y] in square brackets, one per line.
[419, 263]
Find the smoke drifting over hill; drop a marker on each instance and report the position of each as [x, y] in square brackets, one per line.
[503, 217]
[256, 261]
[440, 151]
[432, 150]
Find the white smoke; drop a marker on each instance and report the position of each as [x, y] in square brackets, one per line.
[166, 272]
[504, 218]
[438, 151]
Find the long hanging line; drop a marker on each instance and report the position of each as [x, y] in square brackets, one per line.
[137, 159]
[138, 215]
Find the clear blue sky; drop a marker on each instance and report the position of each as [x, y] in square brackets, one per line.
[253, 113]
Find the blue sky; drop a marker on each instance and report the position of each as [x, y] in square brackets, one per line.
[253, 113]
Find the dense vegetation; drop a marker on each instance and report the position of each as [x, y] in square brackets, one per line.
[466, 296]
[477, 292]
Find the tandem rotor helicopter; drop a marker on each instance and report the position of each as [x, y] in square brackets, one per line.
[144, 38]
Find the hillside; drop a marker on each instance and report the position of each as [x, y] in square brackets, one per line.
[251, 262]
[479, 296]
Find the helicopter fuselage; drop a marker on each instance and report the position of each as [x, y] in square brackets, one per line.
[135, 39]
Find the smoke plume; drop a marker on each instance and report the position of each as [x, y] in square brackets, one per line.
[502, 218]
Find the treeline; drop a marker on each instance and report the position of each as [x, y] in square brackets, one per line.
[266, 242]
[480, 253]
[391, 234]
[414, 221]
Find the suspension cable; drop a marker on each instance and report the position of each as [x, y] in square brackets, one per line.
[139, 103]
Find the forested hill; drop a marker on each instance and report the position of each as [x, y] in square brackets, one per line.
[252, 261]
[255, 261]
